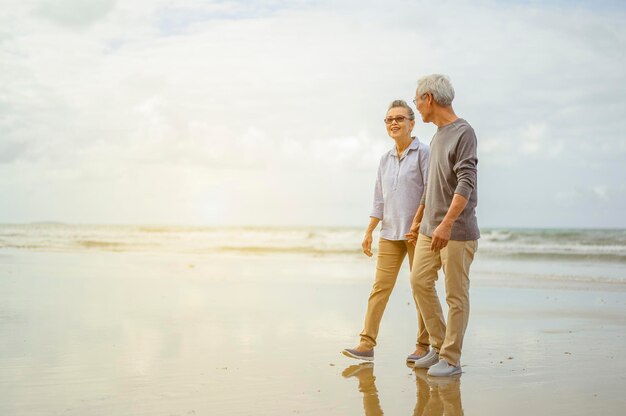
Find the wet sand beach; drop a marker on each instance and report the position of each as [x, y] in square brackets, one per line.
[104, 333]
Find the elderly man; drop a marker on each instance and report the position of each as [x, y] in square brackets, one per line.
[448, 232]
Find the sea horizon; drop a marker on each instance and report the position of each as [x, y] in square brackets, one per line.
[294, 226]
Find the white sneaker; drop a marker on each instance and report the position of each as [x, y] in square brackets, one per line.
[444, 369]
[426, 361]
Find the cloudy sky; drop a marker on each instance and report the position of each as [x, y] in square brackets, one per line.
[270, 113]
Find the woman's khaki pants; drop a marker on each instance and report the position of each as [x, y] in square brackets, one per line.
[391, 254]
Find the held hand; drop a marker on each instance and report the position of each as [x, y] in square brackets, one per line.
[412, 236]
[415, 229]
[367, 245]
[441, 236]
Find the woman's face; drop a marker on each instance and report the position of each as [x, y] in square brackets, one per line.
[398, 124]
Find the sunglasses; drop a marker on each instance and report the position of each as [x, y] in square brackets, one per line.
[398, 119]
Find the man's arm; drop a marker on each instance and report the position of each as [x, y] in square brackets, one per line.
[442, 233]
[424, 156]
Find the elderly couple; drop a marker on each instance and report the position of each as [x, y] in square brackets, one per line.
[426, 199]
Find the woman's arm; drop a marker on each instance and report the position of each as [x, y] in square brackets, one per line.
[367, 240]
[378, 209]
[415, 226]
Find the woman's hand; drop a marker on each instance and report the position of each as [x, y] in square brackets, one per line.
[412, 236]
[367, 244]
[415, 226]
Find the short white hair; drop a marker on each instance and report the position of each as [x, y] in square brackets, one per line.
[439, 86]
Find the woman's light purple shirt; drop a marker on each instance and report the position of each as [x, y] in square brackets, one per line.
[399, 187]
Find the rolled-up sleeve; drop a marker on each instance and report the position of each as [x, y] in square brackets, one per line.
[379, 203]
[466, 164]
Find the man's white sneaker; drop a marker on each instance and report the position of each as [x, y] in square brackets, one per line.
[426, 361]
[444, 369]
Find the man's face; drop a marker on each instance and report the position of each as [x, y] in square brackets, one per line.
[424, 106]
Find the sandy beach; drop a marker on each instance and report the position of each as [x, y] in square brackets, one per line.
[109, 333]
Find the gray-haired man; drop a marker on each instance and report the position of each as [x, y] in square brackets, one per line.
[449, 232]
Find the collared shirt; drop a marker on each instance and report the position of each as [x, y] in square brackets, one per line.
[399, 187]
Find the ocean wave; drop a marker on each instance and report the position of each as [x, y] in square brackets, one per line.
[588, 244]
[155, 229]
[294, 250]
[508, 277]
[101, 244]
[600, 245]
[557, 236]
[524, 253]
[25, 246]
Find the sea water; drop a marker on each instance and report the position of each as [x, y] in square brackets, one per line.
[573, 255]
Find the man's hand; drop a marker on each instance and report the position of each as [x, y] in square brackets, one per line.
[443, 232]
[367, 244]
[441, 236]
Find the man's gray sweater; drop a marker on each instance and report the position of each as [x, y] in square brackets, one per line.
[452, 170]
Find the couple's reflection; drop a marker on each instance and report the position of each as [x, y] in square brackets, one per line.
[364, 372]
[436, 396]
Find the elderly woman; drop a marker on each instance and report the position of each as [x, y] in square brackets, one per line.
[399, 186]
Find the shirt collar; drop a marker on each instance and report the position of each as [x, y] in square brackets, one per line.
[413, 146]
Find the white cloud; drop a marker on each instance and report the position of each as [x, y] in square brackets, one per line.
[536, 140]
[74, 14]
[601, 191]
[209, 98]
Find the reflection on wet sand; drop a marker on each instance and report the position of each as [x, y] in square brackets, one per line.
[365, 373]
[436, 396]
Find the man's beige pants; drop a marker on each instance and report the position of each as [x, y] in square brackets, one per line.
[456, 259]
[391, 254]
